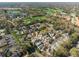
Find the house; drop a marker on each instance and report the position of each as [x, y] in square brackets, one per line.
[15, 14]
[67, 18]
[39, 44]
[2, 42]
[77, 21]
[77, 46]
[2, 32]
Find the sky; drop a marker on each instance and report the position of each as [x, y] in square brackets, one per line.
[39, 0]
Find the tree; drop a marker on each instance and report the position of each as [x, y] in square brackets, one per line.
[61, 51]
[74, 37]
[67, 44]
[74, 52]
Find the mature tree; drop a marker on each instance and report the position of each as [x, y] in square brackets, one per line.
[61, 51]
[67, 44]
[74, 52]
[74, 37]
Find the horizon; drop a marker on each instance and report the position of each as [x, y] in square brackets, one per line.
[37, 4]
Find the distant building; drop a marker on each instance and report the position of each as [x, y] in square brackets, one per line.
[15, 14]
